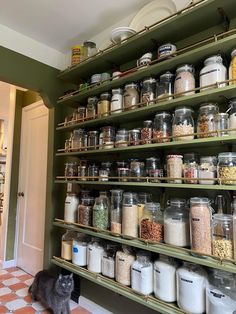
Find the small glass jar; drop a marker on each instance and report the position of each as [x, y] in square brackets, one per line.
[93, 140]
[232, 115]
[70, 207]
[176, 223]
[108, 137]
[130, 215]
[90, 48]
[162, 127]
[232, 68]
[107, 165]
[131, 96]
[103, 175]
[71, 169]
[116, 210]
[207, 170]
[184, 80]
[117, 101]
[222, 236]
[165, 87]
[108, 263]
[206, 122]
[79, 250]
[85, 210]
[92, 172]
[95, 252]
[122, 138]
[137, 170]
[190, 168]
[81, 114]
[103, 105]
[154, 169]
[82, 173]
[78, 140]
[148, 90]
[134, 137]
[123, 174]
[174, 165]
[222, 122]
[91, 108]
[66, 244]
[183, 125]
[146, 132]
[226, 168]
[143, 198]
[124, 261]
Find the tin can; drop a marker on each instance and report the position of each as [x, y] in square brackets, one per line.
[76, 54]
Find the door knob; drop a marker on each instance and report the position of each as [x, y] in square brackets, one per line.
[20, 194]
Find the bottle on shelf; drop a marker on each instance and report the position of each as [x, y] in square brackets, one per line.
[116, 210]
[70, 208]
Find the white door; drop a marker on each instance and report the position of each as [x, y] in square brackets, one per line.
[32, 187]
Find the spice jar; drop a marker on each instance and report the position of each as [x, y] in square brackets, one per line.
[206, 122]
[92, 172]
[122, 138]
[232, 115]
[124, 261]
[183, 125]
[108, 137]
[116, 210]
[103, 105]
[191, 288]
[71, 169]
[165, 87]
[94, 256]
[213, 72]
[78, 140]
[162, 127]
[154, 169]
[176, 223]
[134, 137]
[148, 90]
[200, 224]
[146, 132]
[165, 278]
[222, 122]
[82, 173]
[108, 263]
[174, 166]
[93, 140]
[151, 226]
[123, 174]
[190, 168]
[117, 101]
[143, 198]
[142, 273]
[101, 213]
[85, 210]
[91, 107]
[131, 96]
[70, 208]
[66, 245]
[81, 113]
[130, 215]
[79, 250]
[222, 235]
[232, 68]
[226, 168]
[184, 80]
[137, 170]
[207, 170]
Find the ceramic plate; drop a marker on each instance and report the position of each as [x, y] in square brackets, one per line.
[121, 33]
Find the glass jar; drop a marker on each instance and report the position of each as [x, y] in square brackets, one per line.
[190, 168]
[78, 140]
[232, 115]
[207, 170]
[93, 140]
[91, 108]
[154, 169]
[232, 68]
[103, 105]
[108, 263]
[200, 225]
[184, 80]
[95, 252]
[103, 175]
[222, 236]
[146, 132]
[165, 88]
[89, 48]
[108, 137]
[70, 208]
[234, 225]
[122, 138]
[67, 145]
[165, 278]
[82, 173]
[79, 250]
[221, 292]
[191, 288]
[137, 170]
[116, 101]
[85, 210]
[151, 226]
[71, 169]
[162, 130]
[222, 122]
[116, 210]
[66, 244]
[123, 174]
[124, 261]
[121, 164]
[143, 198]
[148, 90]
[81, 114]
[131, 96]
[174, 165]
[142, 273]
[226, 168]
[134, 137]
[107, 165]
[183, 125]
[206, 122]
[213, 72]
[130, 215]
[93, 172]
[101, 213]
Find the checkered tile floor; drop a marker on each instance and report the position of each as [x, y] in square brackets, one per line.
[14, 297]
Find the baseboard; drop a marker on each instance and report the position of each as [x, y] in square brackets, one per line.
[7, 264]
[92, 307]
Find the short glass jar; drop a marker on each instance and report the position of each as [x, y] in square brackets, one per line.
[91, 108]
[137, 170]
[130, 215]
[117, 101]
[183, 124]
[207, 170]
[93, 140]
[146, 132]
[123, 174]
[78, 140]
[89, 48]
[116, 211]
[226, 168]
[154, 169]
[232, 115]
[66, 244]
[222, 124]
[85, 210]
[131, 96]
[92, 172]
[103, 105]
[134, 137]
[148, 90]
[122, 138]
[82, 173]
[71, 169]
[206, 122]
[190, 168]
[108, 137]
[184, 80]
[162, 129]
[174, 165]
[165, 87]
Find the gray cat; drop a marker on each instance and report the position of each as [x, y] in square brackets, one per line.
[53, 292]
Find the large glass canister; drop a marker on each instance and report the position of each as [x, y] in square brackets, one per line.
[108, 137]
[79, 250]
[148, 90]
[154, 169]
[226, 168]
[70, 208]
[222, 236]
[151, 225]
[95, 252]
[232, 116]
[91, 108]
[232, 68]
[190, 168]
[90, 48]
[206, 122]
[117, 101]
[66, 244]
[137, 170]
[183, 124]
[207, 170]
[222, 123]
[101, 213]
[93, 140]
[116, 211]
[78, 140]
[146, 132]
[174, 165]
[200, 225]
[165, 87]
[131, 96]
[143, 198]
[130, 214]
[184, 80]
[85, 211]
[176, 223]
[124, 261]
[134, 137]
[103, 105]
[162, 129]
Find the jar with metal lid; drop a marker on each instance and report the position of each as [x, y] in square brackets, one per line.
[190, 168]
[70, 207]
[117, 101]
[81, 114]
[93, 140]
[82, 173]
[176, 223]
[165, 87]
[162, 129]
[123, 174]
[107, 165]
[90, 49]
[122, 138]
[91, 108]
[222, 236]
[222, 122]
[183, 124]
[148, 90]
[103, 105]
[71, 169]
[142, 273]
[131, 96]
[79, 250]
[207, 170]
[66, 244]
[116, 210]
[92, 172]
[130, 215]
[134, 137]
[143, 198]
[108, 137]
[101, 213]
[108, 263]
[174, 165]
[232, 115]
[184, 80]
[226, 168]
[146, 132]
[124, 261]
[232, 68]
[85, 210]
[206, 122]
[95, 252]
[154, 169]
[137, 170]
[152, 225]
[213, 72]
[200, 224]
[78, 141]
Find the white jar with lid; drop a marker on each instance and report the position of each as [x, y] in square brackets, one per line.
[70, 209]
[165, 278]
[94, 256]
[184, 80]
[116, 101]
[213, 72]
[79, 250]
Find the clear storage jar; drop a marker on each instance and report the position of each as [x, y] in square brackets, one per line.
[78, 140]
[162, 129]
[222, 122]
[82, 173]
[117, 101]
[174, 165]
[122, 138]
[93, 140]
[66, 244]
[176, 223]
[184, 80]
[124, 261]
[137, 170]
[90, 48]
[91, 108]
[85, 211]
[154, 169]
[130, 215]
[108, 263]
[148, 90]
[71, 169]
[70, 208]
[146, 132]
[206, 122]
[207, 170]
[103, 105]
[143, 198]
[101, 213]
[183, 124]
[116, 211]
[108, 137]
[190, 168]
[232, 68]
[95, 252]
[226, 168]
[234, 225]
[79, 250]
[165, 87]
[131, 96]
[93, 172]
[232, 115]
[134, 137]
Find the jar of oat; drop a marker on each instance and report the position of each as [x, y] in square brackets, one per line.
[183, 124]
[190, 168]
[226, 168]
[152, 226]
[222, 123]
[124, 261]
[165, 87]
[131, 96]
[222, 236]
[154, 169]
[207, 170]
[184, 80]
[206, 122]
[146, 132]
[200, 225]
[103, 105]
[130, 214]
[174, 166]
[232, 116]
[162, 129]
[122, 138]
[116, 210]
[148, 90]
[85, 210]
[232, 68]
[117, 101]
[91, 108]
[134, 137]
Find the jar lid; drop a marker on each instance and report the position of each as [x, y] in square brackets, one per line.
[164, 114]
[117, 91]
[152, 159]
[183, 109]
[93, 132]
[209, 106]
[174, 156]
[90, 44]
[213, 59]
[81, 108]
[119, 192]
[212, 159]
[93, 98]
[222, 114]
[105, 95]
[122, 131]
[149, 80]
[167, 75]
[152, 206]
[129, 194]
[147, 122]
[131, 85]
[223, 217]
[227, 155]
[134, 131]
[190, 156]
[179, 202]
[185, 67]
[201, 200]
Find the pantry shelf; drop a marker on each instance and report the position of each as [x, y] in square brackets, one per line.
[177, 252]
[149, 301]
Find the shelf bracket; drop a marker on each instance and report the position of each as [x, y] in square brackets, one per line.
[224, 18]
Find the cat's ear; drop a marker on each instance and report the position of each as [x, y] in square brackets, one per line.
[60, 276]
[71, 275]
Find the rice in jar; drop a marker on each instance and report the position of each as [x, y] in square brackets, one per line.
[184, 80]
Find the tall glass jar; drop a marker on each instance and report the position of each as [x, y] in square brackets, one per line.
[200, 224]
[234, 225]
[101, 213]
[222, 122]
[108, 263]
[93, 140]
[162, 127]
[103, 105]
[66, 244]
[95, 252]
[93, 172]
[226, 168]
[207, 170]
[122, 138]
[148, 90]
[130, 215]
[137, 170]
[206, 122]
[222, 236]
[124, 261]
[131, 96]
[143, 198]
[91, 108]
[232, 115]
[70, 208]
[116, 210]
[108, 137]
[190, 168]
[176, 223]
[174, 165]
[78, 140]
[134, 137]
[184, 80]
[165, 87]
[232, 68]
[146, 132]
[117, 101]
[152, 226]
[79, 250]
[183, 124]
[154, 169]
[85, 210]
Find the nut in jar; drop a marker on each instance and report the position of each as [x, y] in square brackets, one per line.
[227, 168]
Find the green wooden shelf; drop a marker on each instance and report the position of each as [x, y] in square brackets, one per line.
[161, 248]
[149, 301]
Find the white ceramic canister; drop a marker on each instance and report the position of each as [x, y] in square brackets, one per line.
[70, 209]
[94, 257]
[79, 252]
